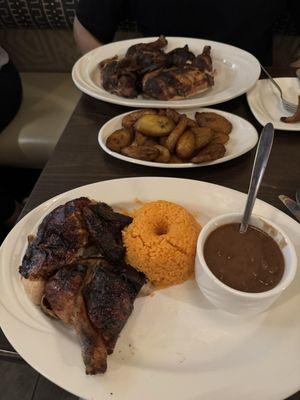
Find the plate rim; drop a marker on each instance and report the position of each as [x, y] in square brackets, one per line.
[159, 103]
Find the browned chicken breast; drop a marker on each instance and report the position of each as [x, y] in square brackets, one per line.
[182, 81]
[176, 83]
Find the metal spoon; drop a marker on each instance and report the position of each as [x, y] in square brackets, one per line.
[261, 159]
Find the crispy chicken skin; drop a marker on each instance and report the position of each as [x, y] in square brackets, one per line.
[60, 239]
[180, 56]
[109, 301]
[158, 44]
[62, 289]
[182, 81]
[147, 69]
[97, 298]
[176, 83]
[93, 349]
[78, 253]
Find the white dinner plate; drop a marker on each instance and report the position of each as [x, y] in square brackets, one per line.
[243, 138]
[236, 72]
[175, 345]
[265, 103]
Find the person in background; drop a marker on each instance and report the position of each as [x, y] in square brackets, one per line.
[10, 101]
[248, 25]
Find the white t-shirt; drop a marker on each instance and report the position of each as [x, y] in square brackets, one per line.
[3, 57]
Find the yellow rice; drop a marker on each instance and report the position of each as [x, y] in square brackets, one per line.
[161, 242]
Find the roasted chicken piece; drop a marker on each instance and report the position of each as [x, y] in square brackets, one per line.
[120, 77]
[180, 56]
[148, 56]
[61, 239]
[158, 44]
[109, 294]
[203, 61]
[105, 226]
[93, 349]
[78, 228]
[180, 82]
[62, 289]
[97, 298]
[176, 83]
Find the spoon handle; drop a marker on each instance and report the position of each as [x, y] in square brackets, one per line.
[260, 163]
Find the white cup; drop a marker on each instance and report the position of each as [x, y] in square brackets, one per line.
[232, 300]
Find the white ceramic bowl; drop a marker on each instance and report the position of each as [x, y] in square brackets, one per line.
[232, 300]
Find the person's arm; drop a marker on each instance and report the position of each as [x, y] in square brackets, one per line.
[83, 38]
[97, 21]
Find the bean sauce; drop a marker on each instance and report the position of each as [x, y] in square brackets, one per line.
[250, 262]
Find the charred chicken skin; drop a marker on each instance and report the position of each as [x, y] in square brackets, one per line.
[78, 252]
[182, 81]
[147, 69]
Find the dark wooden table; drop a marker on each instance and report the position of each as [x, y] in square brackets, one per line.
[77, 160]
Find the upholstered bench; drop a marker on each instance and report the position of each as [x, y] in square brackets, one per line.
[38, 37]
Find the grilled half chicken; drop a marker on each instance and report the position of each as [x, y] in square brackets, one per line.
[78, 255]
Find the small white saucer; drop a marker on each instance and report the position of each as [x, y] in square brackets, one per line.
[265, 104]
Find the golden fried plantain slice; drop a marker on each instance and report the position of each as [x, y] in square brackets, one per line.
[130, 119]
[162, 111]
[119, 139]
[139, 138]
[175, 160]
[191, 123]
[154, 125]
[146, 153]
[173, 114]
[220, 137]
[211, 152]
[185, 146]
[214, 121]
[176, 133]
[203, 136]
[164, 155]
[162, 140]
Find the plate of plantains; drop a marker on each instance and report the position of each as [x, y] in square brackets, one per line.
[168, 138]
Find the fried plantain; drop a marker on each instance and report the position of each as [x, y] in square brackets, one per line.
[119, 139]
[211, 152]
[214, 121]
[146, 153]
[185, 146]
[130, 119]
[162, 111]
[220, 137]
[191, 123]
[175, 160]
[173, 114]
[176, 133]
[154, 125]
[139, 138]
[203, 136]
[164, 155]
[162, 140]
